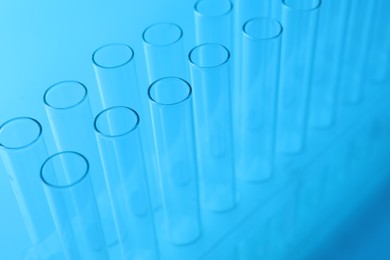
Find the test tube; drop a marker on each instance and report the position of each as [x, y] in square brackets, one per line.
[172, 118]
[23, 150]
[164, 51]
[210, 77]
[116, 75]
[299, 18]
[261, 37]
[70, 117]
[65, 177]
[213, 22]
[118, 134]
[356, 50]
[327, 63]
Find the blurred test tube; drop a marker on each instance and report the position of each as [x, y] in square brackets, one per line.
[299, 19]
[66, 181]
[210, 77]
[327, 62]
[261, 38]
[70, 117]
[172, 117]
[213, 22]
[22, 149]
[356, 50]
[118, 134]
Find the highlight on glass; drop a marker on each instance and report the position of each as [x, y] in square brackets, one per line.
[211, 82]
[261, 37]
[115, 72]
[118, 134]
[66, 181]
[172, 117]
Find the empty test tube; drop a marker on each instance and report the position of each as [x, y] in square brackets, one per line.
[213, 22]
[261, 39]
[116, 75]
[210, 77]
[356, 50]
[327, 62]
[23, 150]
[70, 117]
[172, 118]
[65, 177]
[299, 19]
[164, 51]
[117, 132]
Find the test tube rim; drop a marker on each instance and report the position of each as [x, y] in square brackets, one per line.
[26, 145]
[131, 57]
[251, 37]
[199, 13]
[117, 135]
[62, 82]
[68, 185]
[165, 44]
[169, 104]
[289, 7]
[192, 63]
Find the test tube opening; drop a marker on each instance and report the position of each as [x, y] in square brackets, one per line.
[209, 55]
[262, 28]
[162, 34]
[213, 8]
[111, 56]
[302, 5]
[65, 95]
[64, 170]
[169, 91]
[116, 121]
[19, 133]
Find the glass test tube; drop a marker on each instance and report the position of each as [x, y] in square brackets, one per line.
[172, 118]
[70, 117]
[116, 75]
[210, 77]
[22, 149]
[118, 135]
[327, 63]
[213, 22]
[68, 189]
[164, 51]
[257, 111]
[355, 51]
[299, 19]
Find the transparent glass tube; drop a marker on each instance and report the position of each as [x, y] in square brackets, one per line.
[327, 63]
[172, 118]
[23, 150]
[261, 37]
[117, 132]
[68, 189]
[70, 117]
[210, 77]
[356, 50]
[164, 51]
[213, 22]
[116, 75]
[299, 19]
